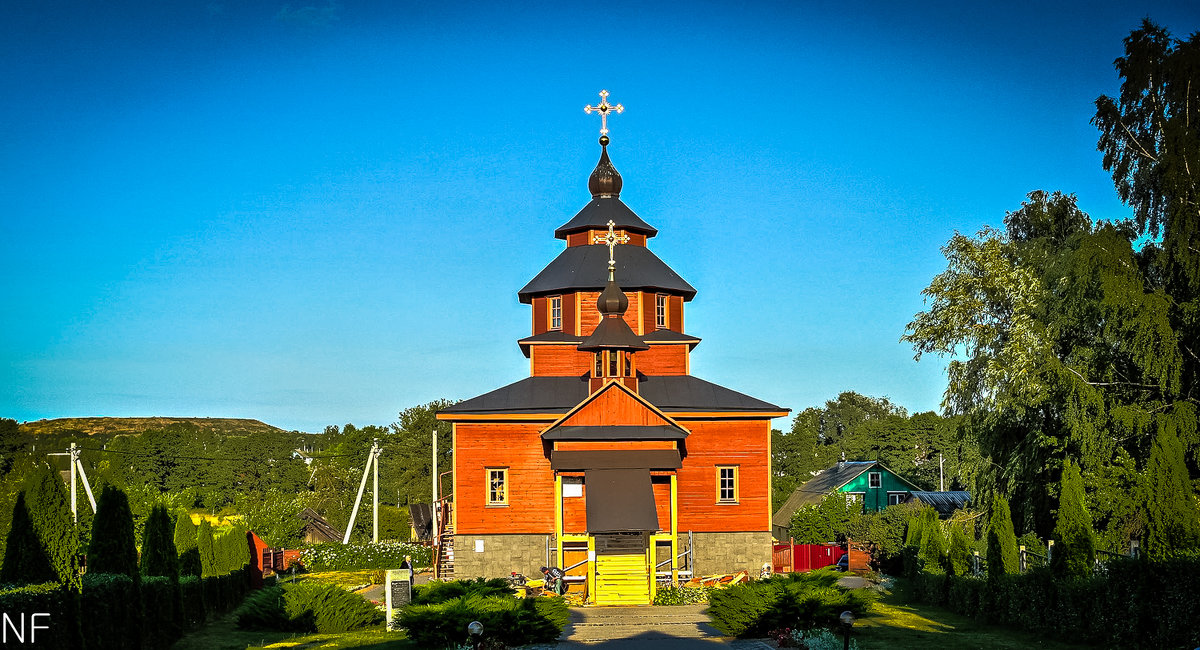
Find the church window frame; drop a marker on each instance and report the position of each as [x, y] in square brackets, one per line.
[555, 313]
[614, 369]
[496, 486]
[660, 311]
[727, 483]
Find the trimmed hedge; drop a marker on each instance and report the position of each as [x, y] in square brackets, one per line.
[306, 607]
[506, 620]
[113, 614]
[1130, 603]
[433, 593]
[61, 604]
[798, 600]
[333, 556]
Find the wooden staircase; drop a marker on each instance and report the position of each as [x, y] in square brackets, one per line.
[443, 567]
[445, 554]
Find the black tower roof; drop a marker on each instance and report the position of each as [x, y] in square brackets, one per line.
[586, 267]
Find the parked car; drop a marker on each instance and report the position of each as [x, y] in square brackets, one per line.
[843, 563]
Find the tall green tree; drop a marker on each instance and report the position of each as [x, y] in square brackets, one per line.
[50, 513]
[1172, 514]
[1001, 540]
[25, 559]
[206, 549]
[827, 521]
[933, 543]
[186, 544]
[1076, 550]
[113, 548]
[159, 557]
[958, 558]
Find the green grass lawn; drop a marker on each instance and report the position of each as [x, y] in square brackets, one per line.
[896, 623]
[223, 634]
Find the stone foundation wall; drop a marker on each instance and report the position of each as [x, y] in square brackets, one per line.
[729, 552]
[501, 555]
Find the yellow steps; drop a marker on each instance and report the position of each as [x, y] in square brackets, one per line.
[622, 580]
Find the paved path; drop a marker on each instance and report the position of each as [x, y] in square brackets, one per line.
[675, 627]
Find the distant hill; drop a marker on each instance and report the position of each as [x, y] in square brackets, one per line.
[135, 426]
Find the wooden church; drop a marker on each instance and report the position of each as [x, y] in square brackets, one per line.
[610, 460]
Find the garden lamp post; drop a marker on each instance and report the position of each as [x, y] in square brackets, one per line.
[475, 629]
[847, 620]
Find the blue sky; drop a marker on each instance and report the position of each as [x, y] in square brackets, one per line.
[315, 213]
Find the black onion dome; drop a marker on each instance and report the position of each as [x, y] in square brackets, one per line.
[605, 181]
[612, 301]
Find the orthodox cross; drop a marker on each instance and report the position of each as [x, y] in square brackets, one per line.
[611, 240]
[603, 108]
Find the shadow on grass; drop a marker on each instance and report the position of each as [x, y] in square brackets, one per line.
[895, 622]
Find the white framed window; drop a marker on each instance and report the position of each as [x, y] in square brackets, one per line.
[727, 484]
[660, 311]
[875, 479]
[896, 498]
[572, 486]
[854, 497]
[497, 486]
[556, 312]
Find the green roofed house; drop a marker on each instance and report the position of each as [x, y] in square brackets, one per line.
[867, 482]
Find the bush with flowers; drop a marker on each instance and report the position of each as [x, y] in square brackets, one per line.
[332, 556]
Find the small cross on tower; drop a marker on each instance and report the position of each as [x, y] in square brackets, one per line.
[611, 240]
[603, 108]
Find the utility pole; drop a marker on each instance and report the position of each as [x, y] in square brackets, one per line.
[941, 475]
[372, 463]
[375, 496]
[77, 466]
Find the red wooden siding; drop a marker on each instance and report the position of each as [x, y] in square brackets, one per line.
[568, 312]
[559, 361]
[675, 313]
[539, 315]
[662, 501]
[663, 360]
[577, 238]
[729, 442]
[589, 317]
[589, 237]
[518, 447]
[575, 513]
[614, 407]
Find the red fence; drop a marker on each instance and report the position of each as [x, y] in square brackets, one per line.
[789, 558]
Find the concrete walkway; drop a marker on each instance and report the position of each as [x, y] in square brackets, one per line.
[675, 627]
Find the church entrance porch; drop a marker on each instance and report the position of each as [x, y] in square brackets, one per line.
[623, 575]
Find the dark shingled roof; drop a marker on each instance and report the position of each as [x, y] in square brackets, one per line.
[580, 268]
[815, 489]
[615, 459]
[670, 336]
[560, 394]
[944, 502]
[557, 336]
[597, 214]
[618, 432]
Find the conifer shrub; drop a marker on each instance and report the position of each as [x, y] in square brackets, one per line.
[205, 547]
[50, 513]
[959, 557]
[25, 559]
[186, 545]
[432, 593]
[158, 545]
[113, 548]
[797, 600]
[1169, 500]
[1075, 553]
[506, 620]
[306, 607]
[933, 543]
[1001, 540]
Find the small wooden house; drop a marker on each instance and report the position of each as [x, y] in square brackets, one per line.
[316, 530]
[610, 460]
[867, 482]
